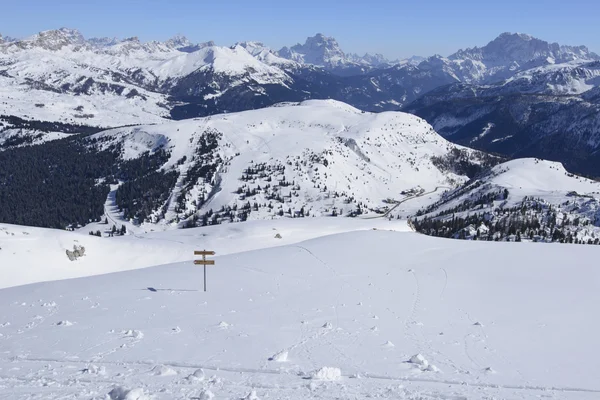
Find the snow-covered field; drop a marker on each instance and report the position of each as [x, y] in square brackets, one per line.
[30, 254]
[383, 313]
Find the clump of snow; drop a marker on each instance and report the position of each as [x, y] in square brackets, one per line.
[327, 325]
[327, 374]
[94, 370]
[389, 344]
[206, 395]
[432, 368]
[281, 356]
[163, 370]
[252, 396]
[120, 393]
[133, 334]
[224, 325]
[197, 376]
[419, 360]
[64, 323]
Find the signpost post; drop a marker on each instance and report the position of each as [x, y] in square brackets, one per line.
[204, 261]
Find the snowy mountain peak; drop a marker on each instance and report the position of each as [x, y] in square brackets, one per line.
[265, 54]
[178, 41]
[53, 39]
[317, 50]
[522, 48]
[182, 43]
[374, 60]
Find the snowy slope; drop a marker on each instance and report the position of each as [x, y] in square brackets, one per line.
[324, 157]
[526, 190]
[399, 316]
[31, 254]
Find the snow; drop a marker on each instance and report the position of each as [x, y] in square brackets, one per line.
[26, 246]
[235, 61]
[327, 374]
[485, 132]
[537, 341]
[532, 177]
[117, 85]
[335, 155]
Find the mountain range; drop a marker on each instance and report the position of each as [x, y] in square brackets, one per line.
[110, 104]
[537, 98]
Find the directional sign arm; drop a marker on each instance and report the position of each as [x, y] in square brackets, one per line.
[204, 253]
[204, 262]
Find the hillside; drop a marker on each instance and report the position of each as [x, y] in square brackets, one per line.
[40, 253]
[314, 158]
[397, 320]
[296, 159]
[525, 199]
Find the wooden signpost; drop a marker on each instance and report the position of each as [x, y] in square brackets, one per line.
[204, 261]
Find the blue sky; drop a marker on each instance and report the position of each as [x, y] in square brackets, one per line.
[394, 28]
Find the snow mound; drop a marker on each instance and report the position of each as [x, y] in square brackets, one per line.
[133, 334]
[94, 370]
[281, 356]
[119, 393]
[252, 396]
[197, 376]
[327, 374]
[162, 370]
[206, 395]
[419, 360]
[64, 323]
[432, 368]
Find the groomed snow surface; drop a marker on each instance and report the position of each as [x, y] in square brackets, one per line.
[363, 313]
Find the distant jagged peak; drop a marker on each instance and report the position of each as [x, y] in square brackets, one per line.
[264, 53]
[182, 43]
[53, 40]
[523, 48]
[318, 50]
[374, 60]
[253, 47]
[103, 41]
[178, 40]
[7, 39]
